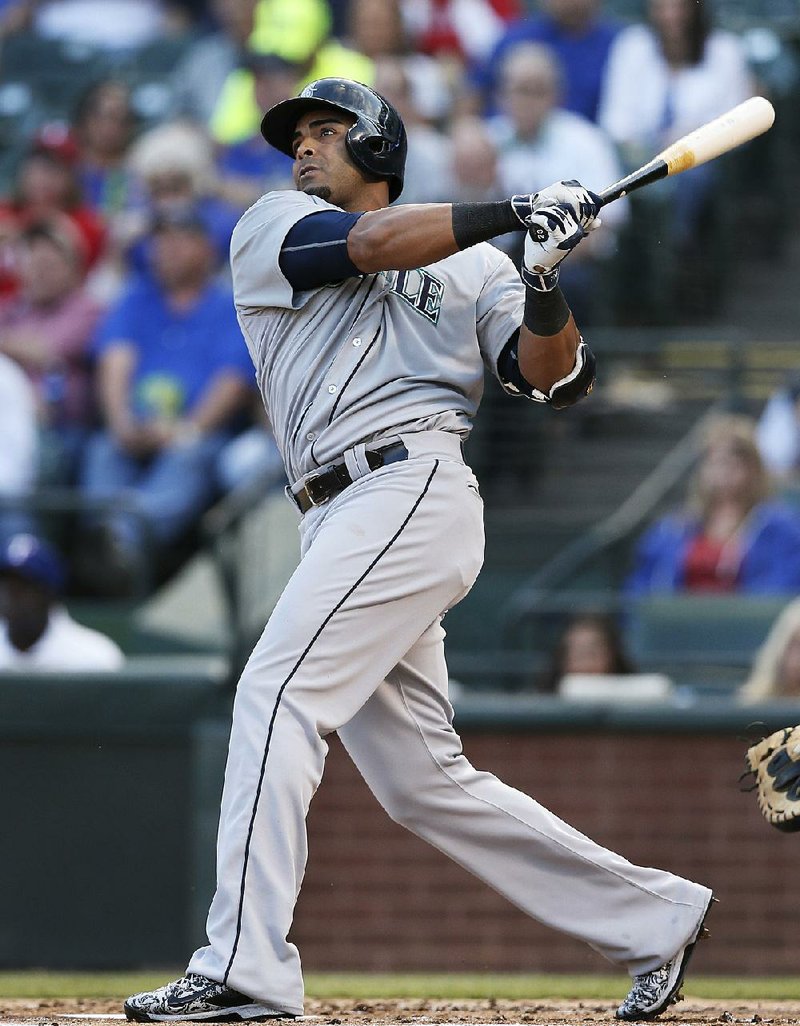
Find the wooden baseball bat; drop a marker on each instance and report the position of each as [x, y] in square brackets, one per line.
[729, 130]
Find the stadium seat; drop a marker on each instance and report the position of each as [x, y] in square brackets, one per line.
[712, 629]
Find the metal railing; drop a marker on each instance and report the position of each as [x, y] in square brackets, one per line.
[544, 592]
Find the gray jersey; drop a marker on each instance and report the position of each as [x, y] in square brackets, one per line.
[375, 355]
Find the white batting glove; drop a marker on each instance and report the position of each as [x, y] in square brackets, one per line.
[583, 203]
[553, 232]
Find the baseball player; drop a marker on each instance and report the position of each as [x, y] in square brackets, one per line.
[370, 327]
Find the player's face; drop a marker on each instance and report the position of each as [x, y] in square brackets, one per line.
[322, 165]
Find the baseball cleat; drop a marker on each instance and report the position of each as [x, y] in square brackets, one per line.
[195, 997]
[655, 991]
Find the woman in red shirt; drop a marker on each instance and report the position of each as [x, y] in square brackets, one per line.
[731, 536]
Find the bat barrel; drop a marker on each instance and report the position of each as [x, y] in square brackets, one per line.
[729, 130]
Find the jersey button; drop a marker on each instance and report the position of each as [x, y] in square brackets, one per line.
[356, 342]
[332, 389]
[311, 436]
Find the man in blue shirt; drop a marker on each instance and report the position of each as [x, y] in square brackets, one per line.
[581, 39]
[173, 374]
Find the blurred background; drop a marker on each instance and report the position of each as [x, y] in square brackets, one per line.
[638, 612]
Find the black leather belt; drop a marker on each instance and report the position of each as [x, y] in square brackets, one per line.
[321, 485]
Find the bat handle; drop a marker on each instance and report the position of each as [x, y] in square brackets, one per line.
[652, 172]
[613, 192]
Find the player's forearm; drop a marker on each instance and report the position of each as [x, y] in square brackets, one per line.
[546, 359]
[412, 235]
[113, 387]
[551, 354]
[227, 396]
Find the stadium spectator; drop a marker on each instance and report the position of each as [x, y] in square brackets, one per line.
[458, 31]
[173, 375]
[103, 127]
[591, 643]
[298, 32]
[778, 431]
[473, 170]
[580, 36]
[473, 162]
[174, 165]
[376, 29]
[19, 447]
[776, 668]
[36, 631]
[200, 75]
[47, 330]
[427, 178]
[47, 184]
[730, 537]
[538, 142]
[249, 168]
[685, 73]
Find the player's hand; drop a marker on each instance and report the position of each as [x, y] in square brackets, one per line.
[582, 203]
[553, 232]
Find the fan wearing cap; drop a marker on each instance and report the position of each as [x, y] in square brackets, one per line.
[37, 633]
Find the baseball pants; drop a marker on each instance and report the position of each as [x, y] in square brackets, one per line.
[355, 645]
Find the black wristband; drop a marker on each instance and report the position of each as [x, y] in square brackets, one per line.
[546, 313]
[479, 222]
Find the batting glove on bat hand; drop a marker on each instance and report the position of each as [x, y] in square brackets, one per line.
[553, 232]
[582, 203]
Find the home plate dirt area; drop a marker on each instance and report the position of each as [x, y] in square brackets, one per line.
[33, 1012]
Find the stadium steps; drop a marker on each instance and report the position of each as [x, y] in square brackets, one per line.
[583, 474]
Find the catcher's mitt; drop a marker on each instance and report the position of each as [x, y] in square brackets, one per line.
[775, 765]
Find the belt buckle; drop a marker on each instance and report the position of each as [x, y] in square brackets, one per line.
[308, 485]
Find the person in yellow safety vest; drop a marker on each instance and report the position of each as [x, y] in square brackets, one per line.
[297, 31]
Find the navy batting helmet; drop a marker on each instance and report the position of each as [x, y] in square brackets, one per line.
[376, 142]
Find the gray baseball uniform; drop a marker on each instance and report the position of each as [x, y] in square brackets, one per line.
[355, 643]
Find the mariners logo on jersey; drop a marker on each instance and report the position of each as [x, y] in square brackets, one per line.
[420, 289]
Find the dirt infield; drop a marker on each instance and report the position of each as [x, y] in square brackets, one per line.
[691, 1012]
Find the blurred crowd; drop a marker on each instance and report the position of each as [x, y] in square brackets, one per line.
[736, 533]
[124, 375]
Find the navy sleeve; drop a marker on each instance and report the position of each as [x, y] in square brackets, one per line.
[314, 252]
